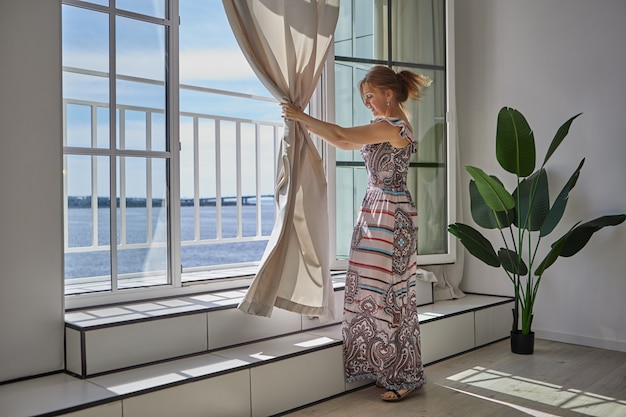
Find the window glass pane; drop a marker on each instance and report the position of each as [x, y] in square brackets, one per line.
[427, 117]
[85, 77]
[349, 107]
[154, 8]
[87, 223]
[140, 49]
[156, 139]
[103, 125]
[343, 31]
[209, 53]
[428, 187]
[229, 132]
[351, 185]
[205, 222]
[79, 122]
[84, 87]
[132, 129]
[362, 29]
[227, 105]
[141, 55]
[148, 97]
[368, 24]
[142, 222]
[345, 94]
[141, 129]
[85, 39]
[428, 180]
[86, 99]
[219, 254]
[423, 22]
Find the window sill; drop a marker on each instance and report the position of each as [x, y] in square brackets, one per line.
[194, 282]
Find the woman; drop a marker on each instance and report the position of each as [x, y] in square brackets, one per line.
[380, 323]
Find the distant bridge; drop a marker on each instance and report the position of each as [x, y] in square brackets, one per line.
[246, 200]
[105, 202]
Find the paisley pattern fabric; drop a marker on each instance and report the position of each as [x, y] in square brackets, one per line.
[380, 327]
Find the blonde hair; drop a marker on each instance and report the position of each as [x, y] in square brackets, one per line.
[404, 84]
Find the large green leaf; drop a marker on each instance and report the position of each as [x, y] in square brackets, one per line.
[581, 234]
[533, 201]
[483, 215]
[512, 262]
[515, 143]
[558, 138]
[553, 255]
[558, 208]
[475, 243]
[496, 197]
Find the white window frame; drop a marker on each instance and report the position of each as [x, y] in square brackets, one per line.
[328, 111]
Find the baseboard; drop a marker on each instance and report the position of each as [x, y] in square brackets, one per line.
[618, 345]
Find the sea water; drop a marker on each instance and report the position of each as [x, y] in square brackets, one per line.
[84, 259]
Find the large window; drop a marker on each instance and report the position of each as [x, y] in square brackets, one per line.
[170, 140]
[117, 146]
[170, 144]
[402, 34]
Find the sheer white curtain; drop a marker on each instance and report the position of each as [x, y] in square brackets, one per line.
[417, 38]
[286, 43]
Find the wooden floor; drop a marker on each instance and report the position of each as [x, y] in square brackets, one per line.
[557, 380]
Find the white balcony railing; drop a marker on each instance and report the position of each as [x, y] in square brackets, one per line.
[243, 155]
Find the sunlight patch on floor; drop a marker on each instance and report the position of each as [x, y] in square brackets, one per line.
[529, 411]
[541, 392]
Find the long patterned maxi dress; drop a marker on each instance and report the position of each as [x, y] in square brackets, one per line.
[380, 328]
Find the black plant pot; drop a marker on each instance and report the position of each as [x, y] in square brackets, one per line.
[524, 344]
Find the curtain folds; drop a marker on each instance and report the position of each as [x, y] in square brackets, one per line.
[286, 44]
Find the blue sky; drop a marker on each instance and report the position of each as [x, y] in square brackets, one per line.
[209, 57]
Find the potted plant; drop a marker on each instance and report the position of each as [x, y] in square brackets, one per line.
[523, 218]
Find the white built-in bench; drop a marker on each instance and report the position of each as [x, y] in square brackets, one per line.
[199, 355]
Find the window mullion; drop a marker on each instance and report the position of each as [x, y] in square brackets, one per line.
[324, 98]
[113, 147]
[173, 140]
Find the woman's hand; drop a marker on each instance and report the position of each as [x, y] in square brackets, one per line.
[291, 112]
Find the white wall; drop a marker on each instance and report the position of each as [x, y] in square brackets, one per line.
[31, 245]
[552, 59]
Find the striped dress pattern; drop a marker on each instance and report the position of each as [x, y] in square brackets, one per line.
[380, 325]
